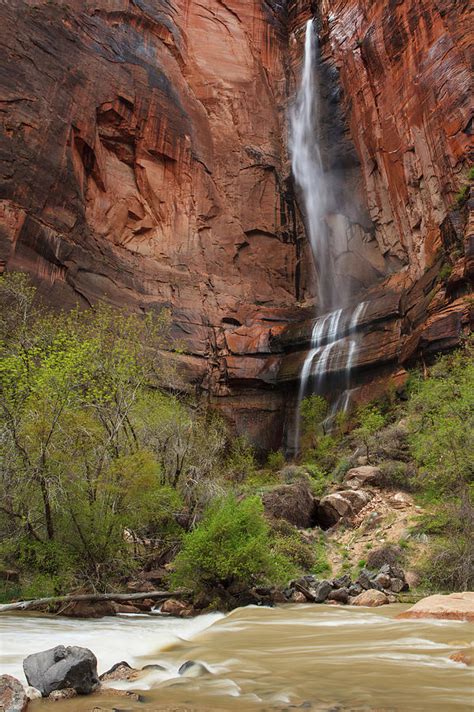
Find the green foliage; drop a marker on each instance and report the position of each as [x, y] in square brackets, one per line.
[441, 436]
[288, 541]
[445, 272]
[232, 544]
[441, 410]
[321, 566]
[240, 463]
[319, 481]
[313, 410]
[92, 445]
[275, 460]
[370, 420]
[461, 196]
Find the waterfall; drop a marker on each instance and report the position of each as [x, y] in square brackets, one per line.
[333, 337]
[307, 165]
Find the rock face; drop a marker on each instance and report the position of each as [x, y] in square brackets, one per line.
[60, 668]
[13, 697]
[455, 607]
[145, 163]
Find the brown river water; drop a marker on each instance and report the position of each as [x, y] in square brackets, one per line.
[310, 657]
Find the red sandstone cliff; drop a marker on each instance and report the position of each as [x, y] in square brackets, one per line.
[144, 161]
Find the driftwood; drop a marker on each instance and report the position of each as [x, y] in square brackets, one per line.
[90, 597]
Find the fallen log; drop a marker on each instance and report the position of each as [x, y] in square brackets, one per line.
[90, 597]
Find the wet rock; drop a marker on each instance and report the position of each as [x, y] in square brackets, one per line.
[180, 609]
[126, 608]
[370, 598]
[13, 697]
[340, 595]
[278, 597]
[32, 693]
[365, 579]
[298, 597]
[120, 671]
[342, 581]
[363, 476]
[322, 591]
[191, 668]
[466, 657]
[383, 581]
[355, 589]
[295, 503]
[397, 585]
[455, 606]
[61, 667]
[153, 666]
[89, 609]
[65, 694]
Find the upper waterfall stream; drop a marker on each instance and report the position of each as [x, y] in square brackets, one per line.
[260, 659]
[313, 184]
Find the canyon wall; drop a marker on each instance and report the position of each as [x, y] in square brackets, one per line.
[144, 147]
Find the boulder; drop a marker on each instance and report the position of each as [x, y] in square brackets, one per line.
[67, 694]
[32, 693]
[61, 667]
[120, 671]
[397, 585]
[322, 591]
[466, 657]
[13, 697]
[370, 598]
[454, 606]
[191, 668]
[295, 503]
[339, 595]
[366, 475]
[343, 581]
[298, 597]
[365, 579]
[384, 581]
[340, 505]
[355, 589]
[125, 608]
[180, 609]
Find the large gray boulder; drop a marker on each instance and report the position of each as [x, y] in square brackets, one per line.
[61, 667]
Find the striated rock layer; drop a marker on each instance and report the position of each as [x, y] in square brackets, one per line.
[144, 148]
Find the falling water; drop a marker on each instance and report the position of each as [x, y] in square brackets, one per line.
[327, 343]
[308, 168]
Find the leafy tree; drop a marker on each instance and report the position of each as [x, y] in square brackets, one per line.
[441, 437]
[91, 443]
[232, 544]
[370, 420]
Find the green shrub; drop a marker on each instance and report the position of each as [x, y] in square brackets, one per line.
[289, 542]
[370, 420]
[319, 481]
[445, 272]
[275, 461]
[321, 565]
[240, 463]
[232, 544]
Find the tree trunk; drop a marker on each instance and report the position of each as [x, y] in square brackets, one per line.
[24, 605]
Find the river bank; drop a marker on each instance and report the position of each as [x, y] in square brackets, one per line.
[263, 659]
